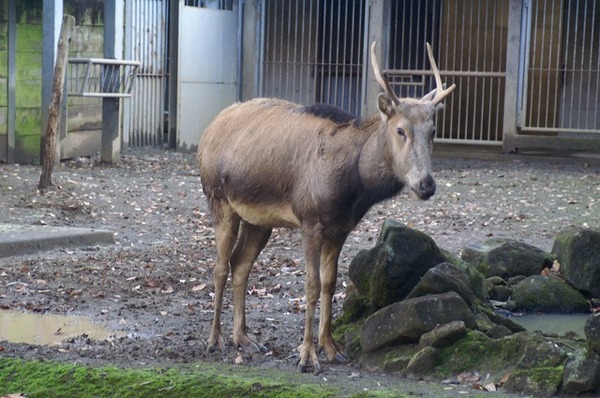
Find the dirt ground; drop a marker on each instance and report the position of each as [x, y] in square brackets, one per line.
[155, 284]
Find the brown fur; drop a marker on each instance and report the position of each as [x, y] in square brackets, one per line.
[270, 163]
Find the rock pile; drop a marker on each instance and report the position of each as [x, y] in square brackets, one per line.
[417, 309]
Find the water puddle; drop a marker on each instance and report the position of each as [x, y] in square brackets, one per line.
[554, 323]
[48, 329]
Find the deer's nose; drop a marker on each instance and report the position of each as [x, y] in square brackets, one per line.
[426, 188]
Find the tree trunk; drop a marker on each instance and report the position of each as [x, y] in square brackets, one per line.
[60, 69]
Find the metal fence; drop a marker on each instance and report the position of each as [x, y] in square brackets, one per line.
[560, 89]
[313, 52]
[469, 42]
[146, 42]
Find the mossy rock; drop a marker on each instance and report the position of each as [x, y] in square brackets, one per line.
[578, 251]
[506, 258]
[548, 294]
[537, 382]
[386, 273]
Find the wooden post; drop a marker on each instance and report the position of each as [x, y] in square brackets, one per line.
[60, 70]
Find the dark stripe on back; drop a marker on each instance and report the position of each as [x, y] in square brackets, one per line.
[330, 112]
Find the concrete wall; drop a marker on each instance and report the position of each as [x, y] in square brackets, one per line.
[20, 105]
[3, 80]
[84, 115]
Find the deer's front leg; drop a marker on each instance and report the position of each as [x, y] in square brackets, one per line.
[312, 242]
[329, 265]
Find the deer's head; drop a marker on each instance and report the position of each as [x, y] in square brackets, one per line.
[410, 129]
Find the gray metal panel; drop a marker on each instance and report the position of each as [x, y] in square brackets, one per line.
[208, 62]
[145, 41]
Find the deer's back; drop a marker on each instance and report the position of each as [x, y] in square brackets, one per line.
[279, 162]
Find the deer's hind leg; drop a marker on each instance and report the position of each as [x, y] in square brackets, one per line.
[226, 229]
[252, 240]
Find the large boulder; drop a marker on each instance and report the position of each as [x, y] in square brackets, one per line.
[578, 251]
[388, 272]
[442, 278]
[506, 258]
[592, 332]
[582, 373]
[548, 294]
[406, 321]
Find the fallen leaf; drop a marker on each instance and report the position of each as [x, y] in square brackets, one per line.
[491, 387]
[198, 288]
[153, 283]
[239, 360]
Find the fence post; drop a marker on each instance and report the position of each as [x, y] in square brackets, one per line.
[511, 91]
[113, 49]
[375, 30]
[60, 69]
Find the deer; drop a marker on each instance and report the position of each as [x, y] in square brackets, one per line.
[268, 163]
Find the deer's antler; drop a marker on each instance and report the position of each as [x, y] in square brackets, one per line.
[440, 92]
[382, 77]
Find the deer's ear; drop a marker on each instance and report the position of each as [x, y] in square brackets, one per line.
[386, 105]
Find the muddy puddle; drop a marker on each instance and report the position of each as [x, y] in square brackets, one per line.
[48, 329]
[554, 323]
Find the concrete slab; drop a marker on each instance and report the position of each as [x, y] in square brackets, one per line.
[16, 239]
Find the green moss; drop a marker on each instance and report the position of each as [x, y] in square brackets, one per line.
[29, 37]
[48, 379]
[27, 149]
[481, 353]
[541, 381]
[28, 94]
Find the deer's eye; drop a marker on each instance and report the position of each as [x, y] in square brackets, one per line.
[400, 132]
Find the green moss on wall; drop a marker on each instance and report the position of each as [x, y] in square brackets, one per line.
[27, 149]
[3, 91]
[28, 121]
[4, 63]
[29, 65]
[3, 120]
[3, 35]
[29, 38]
[28, 93]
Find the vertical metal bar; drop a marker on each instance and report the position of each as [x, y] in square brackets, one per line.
[263, 54]
[306, 59]
[352, 67]
[553, 76]
[582, 73]
[597, 80]
[590, 67]
[365, 53]
[533, 65]
[301, 41]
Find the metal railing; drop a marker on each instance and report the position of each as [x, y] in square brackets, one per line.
[99, 77]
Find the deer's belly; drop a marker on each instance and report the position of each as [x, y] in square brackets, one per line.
[267, 215]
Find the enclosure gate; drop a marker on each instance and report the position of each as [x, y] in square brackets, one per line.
[560, 70]
[314, 52]
[146, 41]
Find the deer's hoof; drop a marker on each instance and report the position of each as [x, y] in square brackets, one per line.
[340, 358]
[249, 345]
[306, 368]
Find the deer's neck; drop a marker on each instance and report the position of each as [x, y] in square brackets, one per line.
[376, 169]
